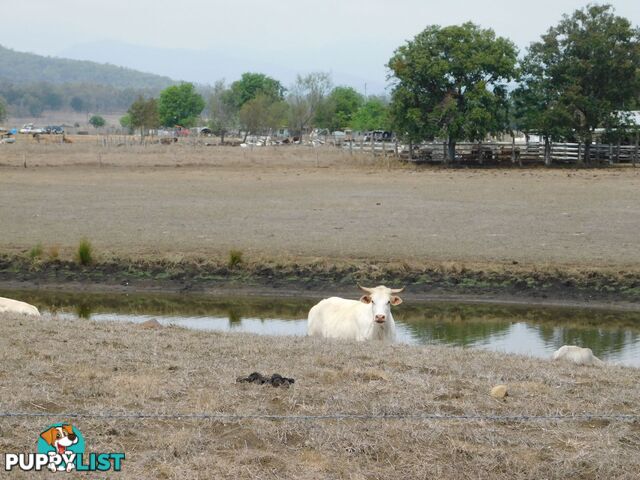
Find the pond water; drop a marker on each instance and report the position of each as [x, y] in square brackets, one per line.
[613, 336]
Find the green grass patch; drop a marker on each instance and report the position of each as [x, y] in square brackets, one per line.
[85, 254]
[36, 252]
[235, 258]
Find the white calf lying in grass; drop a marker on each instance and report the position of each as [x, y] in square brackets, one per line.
[367, 319]
[8, 305]
[577, 355]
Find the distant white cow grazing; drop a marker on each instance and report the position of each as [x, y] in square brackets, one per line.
[367, 319]
[8, 305]
[577, 355]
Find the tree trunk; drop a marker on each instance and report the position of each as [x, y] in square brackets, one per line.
[547, 151]
[587, 153]
[587, 148]
[451, 149]
[222, 137]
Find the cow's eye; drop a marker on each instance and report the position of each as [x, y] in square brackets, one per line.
[372, 302]
[389, 302]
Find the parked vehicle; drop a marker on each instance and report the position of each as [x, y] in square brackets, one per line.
[53, 129]
[28, 128]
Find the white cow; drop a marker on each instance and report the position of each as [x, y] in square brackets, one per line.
[577, 355]
[367, 319]
[8, 305]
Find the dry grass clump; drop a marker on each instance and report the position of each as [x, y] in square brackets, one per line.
[112, 367]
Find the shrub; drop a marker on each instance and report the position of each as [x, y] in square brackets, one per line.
[35, 252]
[235, 258]
[85, 252]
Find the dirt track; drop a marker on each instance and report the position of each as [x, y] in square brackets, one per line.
[286, 207]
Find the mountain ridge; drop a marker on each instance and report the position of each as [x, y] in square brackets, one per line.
[23, 67]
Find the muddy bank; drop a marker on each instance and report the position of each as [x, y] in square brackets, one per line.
[518, 283]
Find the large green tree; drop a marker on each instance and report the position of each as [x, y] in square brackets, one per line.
[262, 114]
[588, 66]
[251, 85]
[142, 114]
[336, 113]
[180, 105]
[451, 82]
[373, 114]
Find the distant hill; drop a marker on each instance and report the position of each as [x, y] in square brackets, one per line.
[24, 68]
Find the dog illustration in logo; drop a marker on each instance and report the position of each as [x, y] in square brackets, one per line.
[60, 438]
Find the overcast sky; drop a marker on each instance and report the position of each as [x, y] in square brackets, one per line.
[351, 38]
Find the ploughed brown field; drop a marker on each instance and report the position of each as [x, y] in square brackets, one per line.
[64, 366]
[299, 202]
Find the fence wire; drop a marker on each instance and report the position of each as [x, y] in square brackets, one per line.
[335, 416]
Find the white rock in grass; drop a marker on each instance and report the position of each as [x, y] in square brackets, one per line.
[499, 391]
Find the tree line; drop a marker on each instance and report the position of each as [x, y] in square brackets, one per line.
[453, 83]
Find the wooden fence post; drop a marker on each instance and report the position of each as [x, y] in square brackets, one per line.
[579, 152]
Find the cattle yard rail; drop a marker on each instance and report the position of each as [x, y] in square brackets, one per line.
[523, 153]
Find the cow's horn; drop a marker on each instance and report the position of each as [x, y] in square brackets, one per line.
[364, 289]
[397, 290]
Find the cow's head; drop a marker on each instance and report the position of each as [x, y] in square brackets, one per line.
[380, 298]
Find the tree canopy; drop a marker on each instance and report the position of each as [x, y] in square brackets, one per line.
[251, 85]
[262, 114]
[580, 73]
[142, 114]
[372, 115]
[336, 113]
[180, 105]
[451, 82]
[306, 98]
[97, 121]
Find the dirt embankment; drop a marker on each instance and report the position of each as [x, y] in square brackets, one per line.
[506, 282]
[53, 366]
[306, 219]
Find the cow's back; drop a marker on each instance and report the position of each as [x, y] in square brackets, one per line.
[334, 317]
[8, 305]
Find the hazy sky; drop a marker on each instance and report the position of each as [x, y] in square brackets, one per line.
[351, 38]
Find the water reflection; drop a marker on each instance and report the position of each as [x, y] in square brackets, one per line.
[537, 331]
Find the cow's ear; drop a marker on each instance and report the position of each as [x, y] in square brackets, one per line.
[365, 299]
[395, 300]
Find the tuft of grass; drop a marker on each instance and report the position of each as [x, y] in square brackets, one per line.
[84, 255]
[36, 252]
[235, 258]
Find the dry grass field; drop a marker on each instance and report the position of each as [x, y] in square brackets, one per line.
[298, 202]
[57, 366]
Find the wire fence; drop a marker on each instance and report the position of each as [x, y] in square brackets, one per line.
[335, 416]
